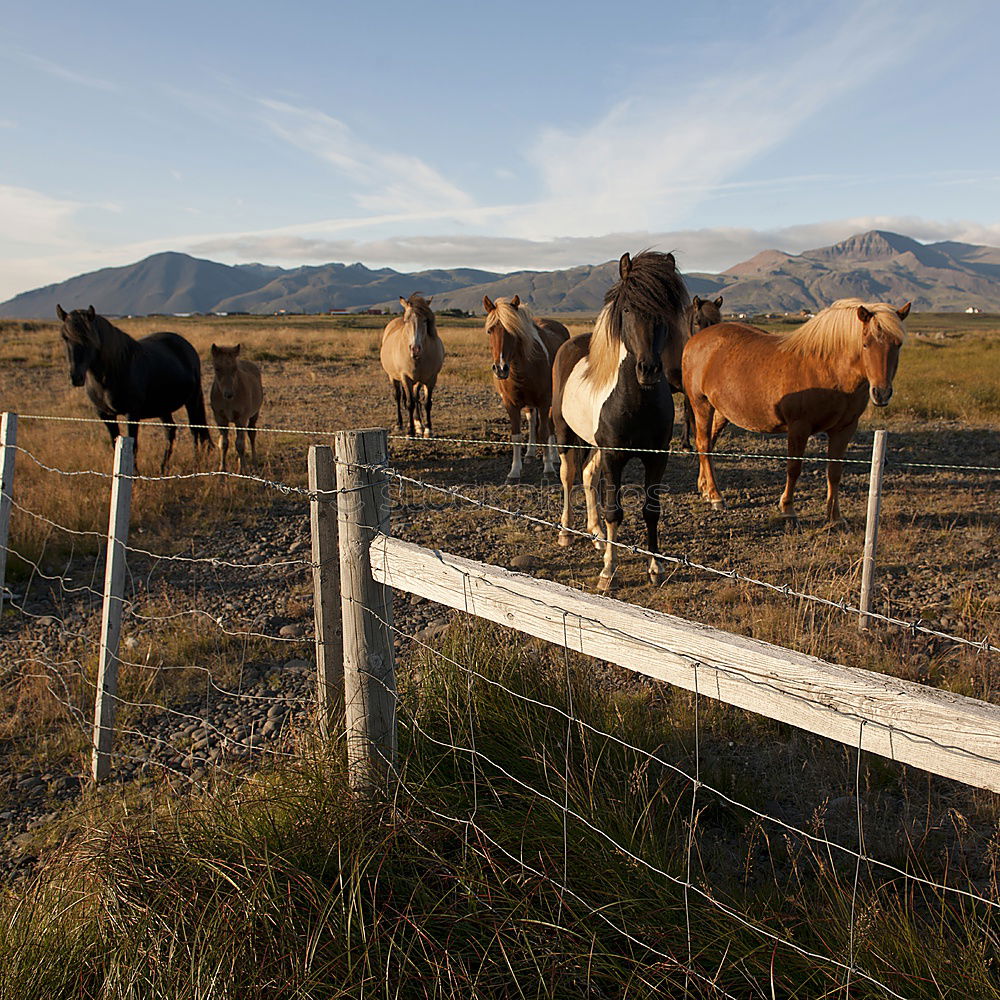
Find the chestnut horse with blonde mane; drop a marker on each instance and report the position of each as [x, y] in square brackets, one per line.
[412, 355]
[523, 349]
[819, 377]
[609, 390]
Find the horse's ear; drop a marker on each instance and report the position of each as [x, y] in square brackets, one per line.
[905, 311]
[696, 302]
[403, 303]
[624, 265]
[864, 314]
[488, 304]
[91, 312]
[673, 263]
[60, 312]
[236, 350]
[718, 302]
[429, 299]
[515, 302]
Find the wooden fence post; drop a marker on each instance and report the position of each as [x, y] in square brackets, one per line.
[111, 614]
[369, 669]
[326, 587]
[871, 528]
[8, 443]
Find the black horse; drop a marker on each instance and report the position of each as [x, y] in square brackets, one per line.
[609, 390]
[151, 377]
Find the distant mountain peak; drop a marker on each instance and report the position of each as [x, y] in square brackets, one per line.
[876, 244]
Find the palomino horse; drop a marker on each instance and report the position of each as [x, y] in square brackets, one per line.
[698, 316]
[609, 391]
[816, 378]
[144, 378]
[523, 348]
[236, 396]
[412, 355]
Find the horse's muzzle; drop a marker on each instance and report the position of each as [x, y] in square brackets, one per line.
[501, 371]
[648, 373]
[415, 353]
[879, 396]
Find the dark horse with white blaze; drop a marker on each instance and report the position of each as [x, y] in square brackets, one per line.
[699, 315]
[609, 390]
[151, 377]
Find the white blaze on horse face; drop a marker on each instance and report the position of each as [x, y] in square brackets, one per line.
[417, 336]
[583, 400]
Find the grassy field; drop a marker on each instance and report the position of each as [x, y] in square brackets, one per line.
[284, 886]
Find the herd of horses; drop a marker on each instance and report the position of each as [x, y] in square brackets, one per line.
[597, 400]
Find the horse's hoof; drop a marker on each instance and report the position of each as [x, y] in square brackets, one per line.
[512, 480]
[427, 432]
[839, 525]
[605, 584]
[598, 544]
[718, 504]
[565, 538]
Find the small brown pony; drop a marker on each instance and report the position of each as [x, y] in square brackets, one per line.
[699, 315]
[816, 378]
[236, 398]
[523, 349]
[412, 355]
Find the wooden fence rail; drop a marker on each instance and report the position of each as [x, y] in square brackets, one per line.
[941, 732]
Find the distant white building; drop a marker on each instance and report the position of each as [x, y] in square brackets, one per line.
[973, 309]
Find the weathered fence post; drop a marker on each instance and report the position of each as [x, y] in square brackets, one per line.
[871, 528]
[369, 670]
[8, 444]
[326, 586]
[111, 614]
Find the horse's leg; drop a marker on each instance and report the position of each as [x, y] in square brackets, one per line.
[252, 435]
[592, 469]
[704, 418]
[611, 503]
[429, 392]
[798, 435]
[546, 445]
[836, 446]
[418, 420]
[688, 423]
[241, 449]
[567, 474]
[223, 441]
[111, 423]
[532, 433]
[410, 391]
[398, 389]
[514, 415]
[651, 508]
[171, 429]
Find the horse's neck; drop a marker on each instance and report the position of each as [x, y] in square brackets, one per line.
[848, 373]
[117, 350]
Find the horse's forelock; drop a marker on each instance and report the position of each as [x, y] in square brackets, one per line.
[422, 310]
[519, 323]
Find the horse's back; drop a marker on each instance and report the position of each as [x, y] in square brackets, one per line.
[553, 335]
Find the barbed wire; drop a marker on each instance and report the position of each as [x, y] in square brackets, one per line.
[891, 461]
[683, 560]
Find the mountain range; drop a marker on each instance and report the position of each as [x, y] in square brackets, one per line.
[876, 265]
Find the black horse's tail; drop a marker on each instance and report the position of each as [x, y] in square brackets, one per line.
[196, 417]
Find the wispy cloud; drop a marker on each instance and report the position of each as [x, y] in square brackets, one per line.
[386, 181]
[655, 155]
[67, 73]
[33, 218]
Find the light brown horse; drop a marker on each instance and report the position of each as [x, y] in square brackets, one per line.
[412, 355]
[816, 378]
[523, 349]
[236, 397]
[699, 315]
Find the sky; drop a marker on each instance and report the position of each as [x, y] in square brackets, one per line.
[517, 135]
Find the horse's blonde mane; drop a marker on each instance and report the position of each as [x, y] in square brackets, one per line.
[836, 330]
[605, 354]
[422, 310]
[520, 324]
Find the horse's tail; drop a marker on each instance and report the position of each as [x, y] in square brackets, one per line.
[196, 416]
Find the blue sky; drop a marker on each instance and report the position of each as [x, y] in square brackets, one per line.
[500, 136]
